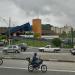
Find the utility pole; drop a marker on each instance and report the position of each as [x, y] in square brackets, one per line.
[72, 36]
[9, 30]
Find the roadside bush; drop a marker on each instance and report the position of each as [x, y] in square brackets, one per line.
[56, 42]
[2, 37]
[36, 35]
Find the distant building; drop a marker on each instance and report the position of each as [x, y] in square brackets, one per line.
[18, 30]
[3, 30]
[36, 26]
[58, 30]
[50, 37]
[66, 29]
[46, 29]
[55, 29]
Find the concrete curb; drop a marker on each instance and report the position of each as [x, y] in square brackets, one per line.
[53, 60]
[57, 60]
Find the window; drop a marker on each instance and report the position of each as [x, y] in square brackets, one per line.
[47, 46]
[10, 47]
[14, 46]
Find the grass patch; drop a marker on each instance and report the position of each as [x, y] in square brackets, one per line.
[30, 42]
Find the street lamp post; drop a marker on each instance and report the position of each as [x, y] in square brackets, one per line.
[72, 36]
[9, 30]
[8, 23]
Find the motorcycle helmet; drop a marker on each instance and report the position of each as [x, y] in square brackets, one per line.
[35, 54]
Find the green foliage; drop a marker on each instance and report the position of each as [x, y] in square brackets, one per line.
[30, 42]
[63, 35]
[2, 37]
[56, 42]
[29, 33]
[36, 35]
[67, 46]
[69, 35]
[74, 33]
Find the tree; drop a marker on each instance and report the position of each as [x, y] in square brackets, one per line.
[2, 37]
[56, 42]
[63, 35]
[37, 35]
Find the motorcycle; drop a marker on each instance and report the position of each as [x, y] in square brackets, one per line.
[32, 67]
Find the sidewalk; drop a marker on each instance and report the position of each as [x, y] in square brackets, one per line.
[59, 57]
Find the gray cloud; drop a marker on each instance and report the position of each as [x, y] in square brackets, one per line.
[9, 9]
[63, 10]
[56, 12]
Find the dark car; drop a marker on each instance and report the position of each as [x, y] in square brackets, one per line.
[1, 43]
[23, 46]
[72, 51]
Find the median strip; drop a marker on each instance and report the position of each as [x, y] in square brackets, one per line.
[56, 57]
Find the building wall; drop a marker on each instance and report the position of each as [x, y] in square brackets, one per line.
[3, 29]
[58, 30]
[36, 26]
[66, 29]
[46, 29]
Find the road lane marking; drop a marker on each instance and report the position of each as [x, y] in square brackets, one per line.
[13, 68]
[60, 70]
[39, 69]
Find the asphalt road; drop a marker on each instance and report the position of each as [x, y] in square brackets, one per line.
[22, 64]
[44, 56]
[35, 49]
[5, 71]
[19, 67]
[64, 54]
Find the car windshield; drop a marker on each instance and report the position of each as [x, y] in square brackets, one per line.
[14, 46]
[74, 49]
[9, 46]
[47, 47]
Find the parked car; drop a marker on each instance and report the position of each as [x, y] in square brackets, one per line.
[23, 46]
[12, 48]
[72, 51]
[49, 49]
[1, 43]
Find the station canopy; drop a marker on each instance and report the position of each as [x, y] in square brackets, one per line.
[24, 27]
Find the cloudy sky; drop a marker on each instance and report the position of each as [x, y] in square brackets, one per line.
[55, 12]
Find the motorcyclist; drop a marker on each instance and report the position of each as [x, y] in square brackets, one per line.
[35, 60]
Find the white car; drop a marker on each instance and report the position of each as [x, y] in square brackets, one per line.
[11, 48]
[48, 49]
